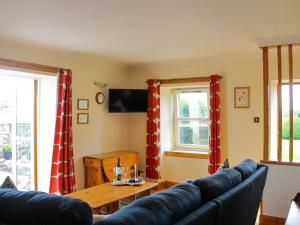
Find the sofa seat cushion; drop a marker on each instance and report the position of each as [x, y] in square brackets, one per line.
[246, 168]
[217, 184]
[163, 208]
[36, 208]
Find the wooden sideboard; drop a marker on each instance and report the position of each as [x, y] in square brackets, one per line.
[99, 168]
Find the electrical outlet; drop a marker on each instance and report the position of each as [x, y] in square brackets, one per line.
[256, 119]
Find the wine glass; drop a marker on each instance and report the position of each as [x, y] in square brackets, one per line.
[125, 172]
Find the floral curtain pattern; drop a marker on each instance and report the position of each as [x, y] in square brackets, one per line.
[62, 179]
[214, 156]
[153, 131]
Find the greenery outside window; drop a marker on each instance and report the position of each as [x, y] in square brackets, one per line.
[191, 119]
[285, 122]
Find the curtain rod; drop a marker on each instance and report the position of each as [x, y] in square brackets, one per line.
[30, 66]
[186, 80]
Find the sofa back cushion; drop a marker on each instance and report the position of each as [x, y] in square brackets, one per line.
[239, 206]
[215, 185]
[163, 208]
[205, 215]
[246, 168]
[36, 208]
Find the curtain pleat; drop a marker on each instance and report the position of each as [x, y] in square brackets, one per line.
[214, 157]
[62, 179]
[153, 131]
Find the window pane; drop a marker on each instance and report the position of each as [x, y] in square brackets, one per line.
[286, 123]
[193, 132]
[24, 161]
[16, 135]
[296, 122]
[193, 105]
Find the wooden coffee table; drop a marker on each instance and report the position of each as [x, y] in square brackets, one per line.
[104, 198]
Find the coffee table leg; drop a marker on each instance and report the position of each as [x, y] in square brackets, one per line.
[143, 194]
[108, 209]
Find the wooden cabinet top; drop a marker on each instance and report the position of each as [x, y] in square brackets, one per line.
[110, 154]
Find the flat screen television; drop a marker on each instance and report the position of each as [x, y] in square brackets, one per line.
[128, 100]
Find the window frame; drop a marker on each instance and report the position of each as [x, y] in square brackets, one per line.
[273, 103]
[188, 147]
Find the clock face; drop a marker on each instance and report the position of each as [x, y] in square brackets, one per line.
[100, 98]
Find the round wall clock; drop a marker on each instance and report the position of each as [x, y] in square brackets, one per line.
[100, 97]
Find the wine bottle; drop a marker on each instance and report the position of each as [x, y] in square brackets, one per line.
[133, 172]
[118, 170]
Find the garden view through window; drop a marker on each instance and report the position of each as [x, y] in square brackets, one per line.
[16, 130]
[286, 123]
[191, 118]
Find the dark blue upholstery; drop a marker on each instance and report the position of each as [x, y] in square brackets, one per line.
[239, 206]
[38, 208]
[220, 199]
[163, 208]
[205, 215]
[217, 184]
[246, 168]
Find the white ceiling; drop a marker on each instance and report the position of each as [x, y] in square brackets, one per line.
[141, 31]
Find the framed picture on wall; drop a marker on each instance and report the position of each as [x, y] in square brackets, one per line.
[242, 97]
[82, 118]
[82, 104]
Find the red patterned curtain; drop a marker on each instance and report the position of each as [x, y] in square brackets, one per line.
[214, 158]
[153, 131]
[62, 179]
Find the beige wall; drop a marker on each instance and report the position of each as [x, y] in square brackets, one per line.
[105, 131]
[240, 137]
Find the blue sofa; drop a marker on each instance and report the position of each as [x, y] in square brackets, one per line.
[229, 197]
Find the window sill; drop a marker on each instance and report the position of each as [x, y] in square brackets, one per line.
[187, 154]
[280, 163]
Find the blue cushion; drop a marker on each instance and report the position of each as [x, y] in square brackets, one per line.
[215, 185]
[205, 215]
[246, 168]
[235, 178]
[36, 208]
[164, 208]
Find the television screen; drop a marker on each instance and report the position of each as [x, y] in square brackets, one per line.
[128, 100]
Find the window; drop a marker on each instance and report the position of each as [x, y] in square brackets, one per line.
[16, 130]
[24, 121]
[191, 118]
[281, 109]
[285, 123]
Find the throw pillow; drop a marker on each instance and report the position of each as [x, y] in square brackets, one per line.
[8, 183]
